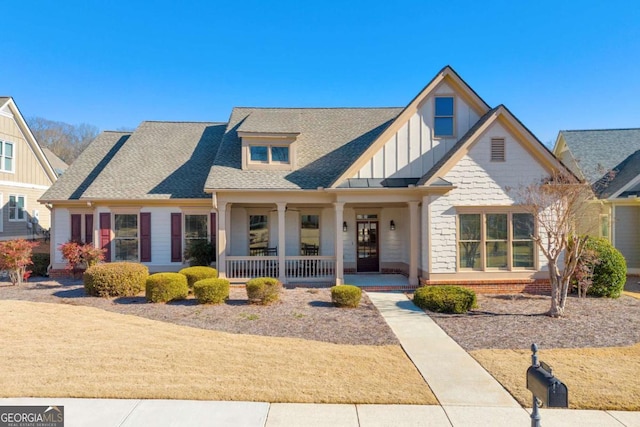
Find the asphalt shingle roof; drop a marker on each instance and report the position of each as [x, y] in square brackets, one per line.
[58, 165]
[600, 151]
[86, 168]
[330, 140]
[160, 160]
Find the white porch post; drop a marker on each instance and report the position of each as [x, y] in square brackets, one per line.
[222, 239]
[425, 242]
[413, 242]
[282, 209]
[339, 206]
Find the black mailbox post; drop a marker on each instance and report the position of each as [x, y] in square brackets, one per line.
[545, 387]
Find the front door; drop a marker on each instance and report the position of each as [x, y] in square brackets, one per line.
[367, 250]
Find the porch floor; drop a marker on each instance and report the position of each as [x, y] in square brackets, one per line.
[379, 282]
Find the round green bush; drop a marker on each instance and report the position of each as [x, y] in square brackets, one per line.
[610, 274]
[195, 274]
[115, 279]
[211, 291]
[39, 264]
[165, 287]
[263, 290]
[346, 296]
[445, 299]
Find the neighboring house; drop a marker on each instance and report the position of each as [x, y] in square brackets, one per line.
[312, 194]
[610, 160]
[25, 174]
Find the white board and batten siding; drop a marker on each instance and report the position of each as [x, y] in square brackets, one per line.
[413, 150]
[480, 182]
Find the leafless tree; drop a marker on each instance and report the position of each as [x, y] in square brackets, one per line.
[560, 203]
[64, 140]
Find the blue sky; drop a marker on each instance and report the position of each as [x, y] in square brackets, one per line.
[554, 64]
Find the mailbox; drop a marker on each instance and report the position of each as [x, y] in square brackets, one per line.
[551, 391]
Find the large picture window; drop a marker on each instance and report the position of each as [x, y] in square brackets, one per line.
[6, 156]
[258, 235]
[125, 238]
[195, 229]
[488, 241]
[310, 235]
[17, 208]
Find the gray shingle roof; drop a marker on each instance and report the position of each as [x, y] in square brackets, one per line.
[58, 165]
[599, 151]
[378, 182]
[330, 140]
[613, 181]
[160, 160]
[86, 168]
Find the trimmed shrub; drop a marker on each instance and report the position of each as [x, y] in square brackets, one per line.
[445, 299]
[195, 274]
[115, 279]
[40, 263]
[200, 252]
[263, 290]
[165, 287]
[211, 291]
[610, 272]
[346, 296]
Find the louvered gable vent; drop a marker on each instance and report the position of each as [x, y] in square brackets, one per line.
[497, 150]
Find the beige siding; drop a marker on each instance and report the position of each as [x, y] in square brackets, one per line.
[27, 167]
[15, 229]
[627, 234]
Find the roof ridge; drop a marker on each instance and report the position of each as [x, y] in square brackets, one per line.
[183, 121]
[597, 130]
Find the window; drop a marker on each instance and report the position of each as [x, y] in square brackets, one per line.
[258, 235]
[605, 227]
[195, 229]
[495, 241]
[310, 235]
[17, 208]
[269, 154]
[126, 237]
[443, 117]
[497, 150]
[6, 156]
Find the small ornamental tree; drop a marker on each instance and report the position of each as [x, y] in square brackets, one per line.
[15, 256]
[559, 204]
[78, 254]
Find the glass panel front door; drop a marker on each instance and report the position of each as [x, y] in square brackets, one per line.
[367, 249]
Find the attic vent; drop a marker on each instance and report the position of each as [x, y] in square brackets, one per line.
[497, 149]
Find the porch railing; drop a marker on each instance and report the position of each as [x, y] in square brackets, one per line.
[303, 268]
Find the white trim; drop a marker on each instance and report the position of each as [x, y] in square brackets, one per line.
[24, 185]
[24, 208]
[6, 114]
[14, 147]
[628, 185]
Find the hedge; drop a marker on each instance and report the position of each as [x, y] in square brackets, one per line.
[211, 291]
[346, 296]
[445, 299]
[115, 279]
[39, 264]
[165, 287]
[263, 290]
[195, 274]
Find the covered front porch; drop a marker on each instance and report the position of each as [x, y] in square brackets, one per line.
[318, 243]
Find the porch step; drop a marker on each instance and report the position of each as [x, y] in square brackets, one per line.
[388, 288]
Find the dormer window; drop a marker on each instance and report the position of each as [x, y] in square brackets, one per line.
[443, 119]
[268, 150]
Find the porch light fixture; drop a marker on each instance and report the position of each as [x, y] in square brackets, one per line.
[392, 226]
[344, 226]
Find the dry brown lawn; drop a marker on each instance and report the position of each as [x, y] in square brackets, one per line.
[597, 378]
[59, 350]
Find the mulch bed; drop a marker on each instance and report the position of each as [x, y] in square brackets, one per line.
[517, 321]
[301, 313]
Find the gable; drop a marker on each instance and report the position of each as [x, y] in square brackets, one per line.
[413, 149]
[30, 165]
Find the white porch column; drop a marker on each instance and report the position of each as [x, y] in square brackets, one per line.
[282, 209]
[414, 219]
[222, 238]
[339, 206]
[425, 240]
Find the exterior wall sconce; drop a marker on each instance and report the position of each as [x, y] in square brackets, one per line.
[392, 226]
[344, 226]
